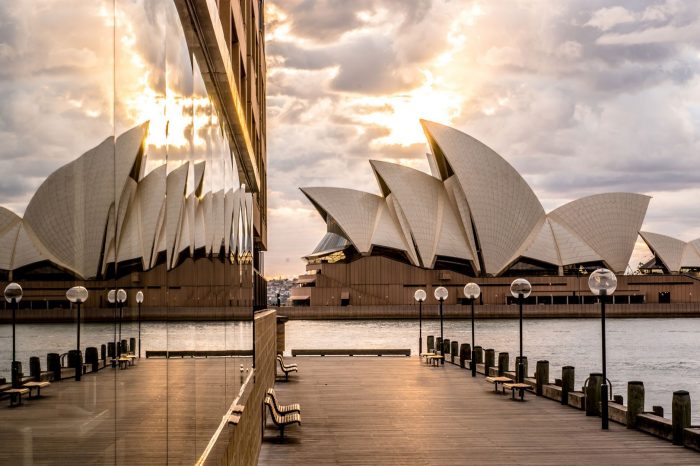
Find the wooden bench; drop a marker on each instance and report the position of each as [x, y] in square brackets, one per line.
[496, 380]
[283, 409]
[281, 421]
[122, 361]
[521, 387]
[36, 385]
[426, 356]
[435, 359]
[286, 369]
[16, 395]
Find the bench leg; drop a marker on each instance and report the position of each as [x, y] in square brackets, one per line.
[513, 393]
[281, 432]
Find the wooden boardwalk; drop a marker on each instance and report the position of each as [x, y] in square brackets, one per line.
[157, 412]
[390, 411]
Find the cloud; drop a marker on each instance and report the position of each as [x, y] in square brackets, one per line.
[580, 97]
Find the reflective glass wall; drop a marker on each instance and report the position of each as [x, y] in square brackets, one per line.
[120, 176]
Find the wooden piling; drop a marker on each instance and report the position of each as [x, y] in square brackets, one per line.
[593, 394]
[446, 346]
[635, 402]
[503, 363]
[525, 370]
[680, 417]
[465, 352]
[431, 343]
[541, 376]
[567, 383]
[479, 354]
[454, 350]
[489, 360]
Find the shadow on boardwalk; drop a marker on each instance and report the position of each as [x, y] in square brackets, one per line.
[399, 411]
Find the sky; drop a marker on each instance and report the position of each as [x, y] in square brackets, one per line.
[580, 96]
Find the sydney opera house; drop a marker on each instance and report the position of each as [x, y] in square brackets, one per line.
[475, 217]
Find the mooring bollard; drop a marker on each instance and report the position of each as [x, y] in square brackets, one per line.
[567, 383]
[103, 352]
[658, 410]
[479, 354]
[438, 345]
[91, 357]
[635, 402]
[454, 350]
[489, 360]
[446, 346]
[680, 417]
[593, 394]
[465, 352]
[517, 361]
[35, 368]
[124, 347]
[541, 376]
[503, 363]
[132, 345]
[431, 343]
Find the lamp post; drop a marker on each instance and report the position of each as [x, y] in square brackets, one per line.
[603, 283]
[420, 296]
[441, 295]
[121, 299]
[139, 300]
[472, 291]
[13, 295]
[112, 298]
[77, 295]
[521, 289]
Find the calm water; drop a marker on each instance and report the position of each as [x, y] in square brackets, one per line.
[664, 353]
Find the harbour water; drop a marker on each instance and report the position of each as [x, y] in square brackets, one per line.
[663, 353]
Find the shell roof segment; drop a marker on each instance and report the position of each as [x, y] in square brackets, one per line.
[503, 207]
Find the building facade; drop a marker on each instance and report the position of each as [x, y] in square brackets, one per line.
[159, 183]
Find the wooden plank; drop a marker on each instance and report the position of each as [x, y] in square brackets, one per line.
[399, 411]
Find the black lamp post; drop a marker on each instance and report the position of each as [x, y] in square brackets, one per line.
[420, 296]
[13, 295]
[77, 295]
[602, 283]
[112, 298]
[441, 295]
[139, 300]
[472, 291]
[521, 289]
[121, 299]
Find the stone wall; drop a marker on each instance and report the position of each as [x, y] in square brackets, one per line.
[491, 311]
[244, 440]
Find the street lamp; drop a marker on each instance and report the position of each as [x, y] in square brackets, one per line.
[13, 295]
[139, 300]
[77, 295]
[420, 296]
[441, 295]
[472, 291]
[121, 299]
[603, 283]
[521, 289]
[112, 298]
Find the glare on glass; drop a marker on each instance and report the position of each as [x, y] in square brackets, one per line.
[602, 281]
[112, 296]
[472, 290]
[121, 295]
[77, 294]
[440, 293]
[13, 291]
[520, 286]
[419, 295]
[139, 297]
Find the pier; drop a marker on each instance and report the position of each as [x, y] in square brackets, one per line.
[400, 411]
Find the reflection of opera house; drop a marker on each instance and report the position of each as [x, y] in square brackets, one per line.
[474, 216]
[99, 218]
